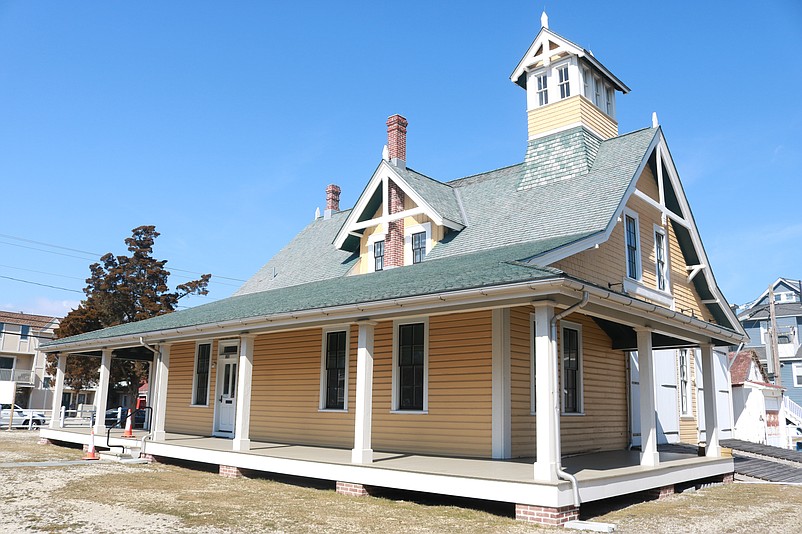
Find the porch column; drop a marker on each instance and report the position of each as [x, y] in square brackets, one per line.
[547, 396]
[102, 393]
[712, 448]
[160, 404]
[58, 389]
[242, 425]
[362, 452]
[501, 433]
[648, 399]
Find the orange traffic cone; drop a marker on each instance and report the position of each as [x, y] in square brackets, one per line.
[91, 453]
[129, 432]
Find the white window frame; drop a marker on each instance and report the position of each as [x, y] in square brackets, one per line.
[598, 88]
[587, 83]
[544, 91]
[796, 372]
[372, 239]
[666, 265]
[13, 364]
[609, 93]
[394, 408]
[565, 325]
[418, 228]
[638, 248]
[198, 343]
[688, 412]
[566, 83]
[324, 377]
[532, 365]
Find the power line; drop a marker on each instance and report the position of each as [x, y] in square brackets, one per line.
[42, 272]
[38, 284]
[92, 254]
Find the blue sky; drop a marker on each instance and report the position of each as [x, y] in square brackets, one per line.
[222, 123]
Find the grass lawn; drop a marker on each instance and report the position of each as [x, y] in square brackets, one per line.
[101, 497]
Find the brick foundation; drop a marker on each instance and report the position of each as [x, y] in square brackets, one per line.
[352, 490]
[545, 515]
[229, 471]
[150, 458]
[661, 493]
[44, 441]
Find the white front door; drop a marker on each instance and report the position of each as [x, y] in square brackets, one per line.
[226, 394]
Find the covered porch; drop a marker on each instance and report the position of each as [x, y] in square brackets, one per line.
[599, 475]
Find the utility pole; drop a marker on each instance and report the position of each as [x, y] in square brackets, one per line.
[775, 350]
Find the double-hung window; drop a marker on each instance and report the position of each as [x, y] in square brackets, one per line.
[410, 367]
[797, 372]
[542, 90]
[565, 87]
[587, 82]
[378, 256]
[418, 247]
[200, 389]
[660, 255]
[632, 245]
[684, 379]
[572, 368]
[335, 361]
[25, 331]
[610, 92]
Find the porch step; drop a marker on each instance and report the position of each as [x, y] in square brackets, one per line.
[129, 456]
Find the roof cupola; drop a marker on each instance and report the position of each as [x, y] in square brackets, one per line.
[566, 86]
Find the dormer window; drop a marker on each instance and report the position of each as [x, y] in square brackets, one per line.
[418, 247]
[542, 90]
[378, 255]
[610, 101]
[565, 88]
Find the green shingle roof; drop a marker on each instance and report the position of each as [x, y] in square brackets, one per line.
[511, 214]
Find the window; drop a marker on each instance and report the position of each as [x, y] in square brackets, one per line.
[542, 90]
[660, 255]
[378, 256]
[610, 92]
[6, 368]
[335, 370]
[684, 377]
[586, 82]
[565, 87]
[25, 330]
[598, 93]
[797, 371]
[200, 387]
[572, 368]
[418, 247]
[410, 367]
[633, 247]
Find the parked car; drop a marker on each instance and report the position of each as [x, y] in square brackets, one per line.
[113, 415]
[22, 417]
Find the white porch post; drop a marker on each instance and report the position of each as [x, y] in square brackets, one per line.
[58, 389]
[501, 433]
[102, 393]
[160, 404]
[547, 396]
[242, 425]
[362, 452]
[712, 448]
[648, 399]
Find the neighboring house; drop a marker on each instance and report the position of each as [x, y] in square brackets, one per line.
[435, 329]
[21, 361]
[757, 404]
[756, 321]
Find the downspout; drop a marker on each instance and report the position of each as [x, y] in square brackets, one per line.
[560, 473]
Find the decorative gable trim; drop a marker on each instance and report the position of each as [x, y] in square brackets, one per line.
[684, 218]
[380, 179]
[541, 51]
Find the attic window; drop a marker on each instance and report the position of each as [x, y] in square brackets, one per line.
[418, 247]
[632, 245]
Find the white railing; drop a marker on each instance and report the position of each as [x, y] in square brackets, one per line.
[19, 375]
[793, 411]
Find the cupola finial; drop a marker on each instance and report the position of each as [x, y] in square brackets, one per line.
[655, 123]
[544, 20]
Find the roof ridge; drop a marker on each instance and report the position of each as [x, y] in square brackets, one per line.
[427, 176]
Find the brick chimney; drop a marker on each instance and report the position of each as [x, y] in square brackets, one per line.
[394, 241]
[332, 200]
[397, 140]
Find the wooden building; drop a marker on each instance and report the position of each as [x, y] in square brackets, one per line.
[472, 338]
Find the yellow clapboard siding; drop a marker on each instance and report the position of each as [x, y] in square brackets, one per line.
[181, 416]
[573, 110]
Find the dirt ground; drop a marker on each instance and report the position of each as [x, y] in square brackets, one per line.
[109, 497]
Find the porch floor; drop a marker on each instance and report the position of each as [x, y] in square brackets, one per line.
[599, 474]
